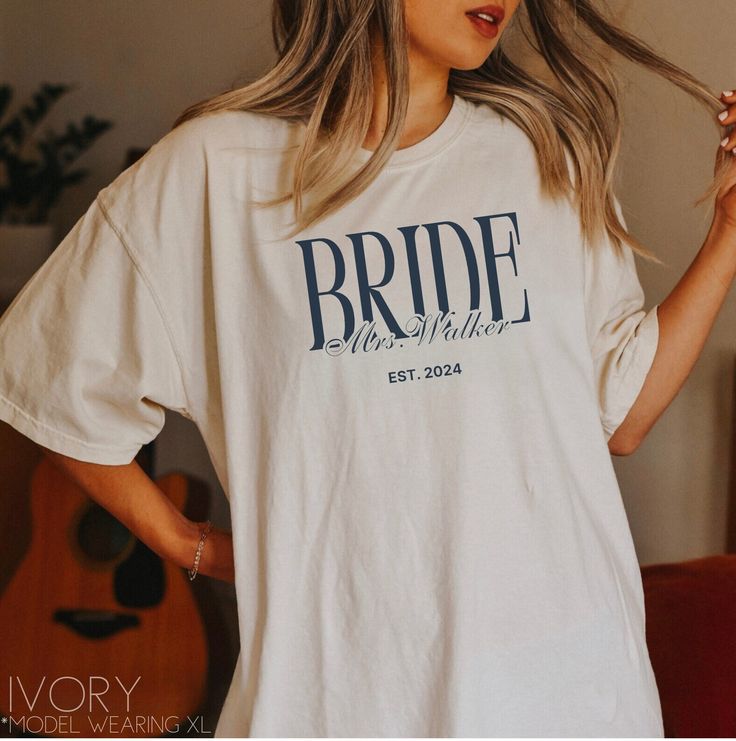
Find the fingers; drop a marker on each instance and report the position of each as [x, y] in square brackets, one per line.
[726, 117]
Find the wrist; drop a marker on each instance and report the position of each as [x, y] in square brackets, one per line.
[722, 231]
[216, 557]
[183, 542]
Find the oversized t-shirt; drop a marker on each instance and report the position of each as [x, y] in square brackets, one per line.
[407, 403]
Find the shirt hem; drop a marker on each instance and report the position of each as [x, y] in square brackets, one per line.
[61, 442]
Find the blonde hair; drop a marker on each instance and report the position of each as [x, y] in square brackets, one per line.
[323, 79]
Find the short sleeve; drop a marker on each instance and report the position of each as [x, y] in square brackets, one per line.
[87, 365]
[623, 335]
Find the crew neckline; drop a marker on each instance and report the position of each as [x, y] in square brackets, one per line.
[450, 128]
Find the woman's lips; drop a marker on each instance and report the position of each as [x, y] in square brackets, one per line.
[488, 28]
[493, 10]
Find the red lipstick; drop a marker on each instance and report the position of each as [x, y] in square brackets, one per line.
[486, 19]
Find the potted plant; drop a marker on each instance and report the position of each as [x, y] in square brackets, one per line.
[35, 168]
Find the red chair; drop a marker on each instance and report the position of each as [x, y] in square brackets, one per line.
[691, 635]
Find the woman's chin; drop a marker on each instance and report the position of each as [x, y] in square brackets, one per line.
[470, 61]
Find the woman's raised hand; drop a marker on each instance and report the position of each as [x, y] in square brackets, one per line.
[725, 212]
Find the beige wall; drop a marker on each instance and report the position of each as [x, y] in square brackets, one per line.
[139, 62]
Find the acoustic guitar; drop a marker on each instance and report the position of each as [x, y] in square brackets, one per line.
[100, 636]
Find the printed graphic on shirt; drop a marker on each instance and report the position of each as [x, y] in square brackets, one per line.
[361, 312]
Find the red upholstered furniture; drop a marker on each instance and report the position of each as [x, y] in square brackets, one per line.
[691, 635]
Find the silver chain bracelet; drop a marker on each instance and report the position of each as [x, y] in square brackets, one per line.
[203, 536]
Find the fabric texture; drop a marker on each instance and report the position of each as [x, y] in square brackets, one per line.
[407, 404]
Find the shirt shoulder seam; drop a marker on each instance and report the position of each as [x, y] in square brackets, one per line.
[135, 259]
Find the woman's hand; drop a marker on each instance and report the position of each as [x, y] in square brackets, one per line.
[725, 208]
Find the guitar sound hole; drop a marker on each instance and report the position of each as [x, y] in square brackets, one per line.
[101, 537]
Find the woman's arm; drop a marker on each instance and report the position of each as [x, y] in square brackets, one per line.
[135, 500]
[685, 320]
[685, 317]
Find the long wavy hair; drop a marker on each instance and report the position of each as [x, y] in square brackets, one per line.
[323, 79]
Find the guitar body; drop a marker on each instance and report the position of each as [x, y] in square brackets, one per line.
[98, 631]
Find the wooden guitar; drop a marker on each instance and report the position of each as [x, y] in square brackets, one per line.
[98, 633]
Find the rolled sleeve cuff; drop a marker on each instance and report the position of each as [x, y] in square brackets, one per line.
[61, 442]
[640, 353]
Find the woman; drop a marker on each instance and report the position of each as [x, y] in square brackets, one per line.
[412, 394]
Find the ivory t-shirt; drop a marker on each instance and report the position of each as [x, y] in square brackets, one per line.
[407, 404]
